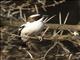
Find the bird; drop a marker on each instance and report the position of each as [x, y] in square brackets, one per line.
[33, 27]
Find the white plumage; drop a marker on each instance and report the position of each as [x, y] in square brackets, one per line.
[31, 28]
[34, 27]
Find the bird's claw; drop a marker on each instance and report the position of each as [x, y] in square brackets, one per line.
[40, 38]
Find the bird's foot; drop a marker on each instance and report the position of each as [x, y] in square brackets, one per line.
[40, 38]
[25, 39]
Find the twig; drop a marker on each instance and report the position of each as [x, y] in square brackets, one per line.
[45, 21]
[45, 31]
[8, 14]
[60, 21]
[30, 55]
[64, 27]
[65, 22]
[24, 18]
[57, 37]
[20, 9]
[36, 8]
[64, 48]
[55, 3]
[55, 43]
[55, 34]
[66, 18]
[14, 13]
[70, 56]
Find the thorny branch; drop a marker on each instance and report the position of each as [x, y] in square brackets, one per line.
[57, 37]
[64, 27]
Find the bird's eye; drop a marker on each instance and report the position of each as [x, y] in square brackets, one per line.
[25, 33]
[20, 29]
[22, 26]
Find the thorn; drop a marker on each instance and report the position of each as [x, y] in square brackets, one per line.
[66, 18]
[60, 18]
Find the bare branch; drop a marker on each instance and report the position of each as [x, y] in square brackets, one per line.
[50, 49]
[36, 8]
[64, 27]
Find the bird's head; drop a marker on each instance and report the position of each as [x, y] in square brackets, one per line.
[20, 28]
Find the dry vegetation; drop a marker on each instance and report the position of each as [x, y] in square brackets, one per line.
[59, 41]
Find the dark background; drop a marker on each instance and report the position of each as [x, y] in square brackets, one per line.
[71, 6]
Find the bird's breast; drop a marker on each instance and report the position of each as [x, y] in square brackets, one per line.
[32, 28]
[37, 26]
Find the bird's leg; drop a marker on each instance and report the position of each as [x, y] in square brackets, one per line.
[25, 37]
[43, 34]
[39, 37]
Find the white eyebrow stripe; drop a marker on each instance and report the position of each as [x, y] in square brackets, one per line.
[34, 15]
